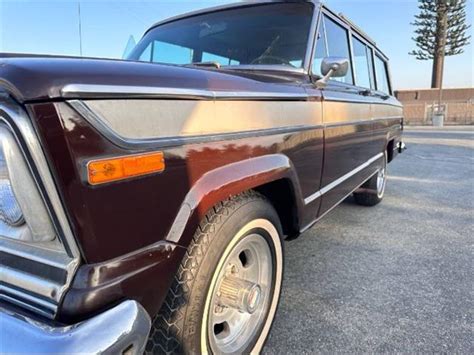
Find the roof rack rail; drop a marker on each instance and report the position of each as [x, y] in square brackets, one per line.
[357, 28]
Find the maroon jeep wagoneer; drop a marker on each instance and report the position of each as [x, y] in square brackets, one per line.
[144, 202]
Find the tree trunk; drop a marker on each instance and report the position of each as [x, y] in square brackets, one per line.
[438, 70]
[440, 48]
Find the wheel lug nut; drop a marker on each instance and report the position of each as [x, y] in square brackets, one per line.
[234, 269]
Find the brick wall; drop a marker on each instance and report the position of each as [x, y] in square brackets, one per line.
[419, 105]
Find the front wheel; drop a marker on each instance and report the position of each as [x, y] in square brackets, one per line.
[371, 193]
[226, 291]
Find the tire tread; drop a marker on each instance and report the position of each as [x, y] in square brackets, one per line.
[166, 335]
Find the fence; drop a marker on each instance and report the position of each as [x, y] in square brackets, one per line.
[459, 112]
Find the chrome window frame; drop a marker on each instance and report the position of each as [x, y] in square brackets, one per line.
[306, 67]
[369, 45]
[379, 55]
[353, 31]
[324, 11]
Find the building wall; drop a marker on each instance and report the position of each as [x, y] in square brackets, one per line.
[419, 105]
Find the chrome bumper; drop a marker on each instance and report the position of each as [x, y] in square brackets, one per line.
[122, 329]
[401, 147]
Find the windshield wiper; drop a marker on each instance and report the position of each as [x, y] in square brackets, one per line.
[216, 65]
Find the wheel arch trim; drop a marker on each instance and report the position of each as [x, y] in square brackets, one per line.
[231, 179]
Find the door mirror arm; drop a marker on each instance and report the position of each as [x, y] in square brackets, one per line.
[332, 67]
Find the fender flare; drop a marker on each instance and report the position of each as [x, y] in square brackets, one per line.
[228, 180]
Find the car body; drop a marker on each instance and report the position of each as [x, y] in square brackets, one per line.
[104, 249]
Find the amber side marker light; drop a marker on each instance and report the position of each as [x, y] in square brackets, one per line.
[120, 168]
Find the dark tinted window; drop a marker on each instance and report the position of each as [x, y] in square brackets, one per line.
[272, 34]
[381, 74]
[338, 45]
[362, 64]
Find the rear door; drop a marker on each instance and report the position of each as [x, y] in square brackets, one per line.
[347, 118]
[386, 110]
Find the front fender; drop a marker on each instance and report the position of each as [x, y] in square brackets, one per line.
[228, 180]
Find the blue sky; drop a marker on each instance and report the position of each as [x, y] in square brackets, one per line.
[51, 26]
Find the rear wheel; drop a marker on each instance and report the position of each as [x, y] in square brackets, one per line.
[226, 292]
[371, 193]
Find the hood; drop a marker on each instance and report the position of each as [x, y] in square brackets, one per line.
[39, 78]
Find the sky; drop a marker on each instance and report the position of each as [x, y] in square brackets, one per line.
[52, 27]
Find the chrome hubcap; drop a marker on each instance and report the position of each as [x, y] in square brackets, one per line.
[241, 296]
[381, 180]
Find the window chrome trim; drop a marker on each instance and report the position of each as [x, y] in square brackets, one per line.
[210, 10]
[264, 67]
[312, 38]
[340, 180]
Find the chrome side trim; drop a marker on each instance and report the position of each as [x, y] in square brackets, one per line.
[340, 180]
[170, 141]
[313, 197]
[347, 123]
[74, 91]
[164, 142]
[124, 327]
[361, 122]
[308, 226]
[357, 101]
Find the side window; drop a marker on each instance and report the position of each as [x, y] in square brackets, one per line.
[381, 74]
[163, 52]
[146, 55]
[362, 64]
[338, 45]
[320, 51]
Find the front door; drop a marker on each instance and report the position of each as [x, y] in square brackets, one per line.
[347, 120]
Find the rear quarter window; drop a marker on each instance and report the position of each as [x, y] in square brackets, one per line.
[381, 75]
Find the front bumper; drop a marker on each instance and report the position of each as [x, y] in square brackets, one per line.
[122, 329]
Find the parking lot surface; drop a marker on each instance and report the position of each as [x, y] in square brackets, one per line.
[397, 277]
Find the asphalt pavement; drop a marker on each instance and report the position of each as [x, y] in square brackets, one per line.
[397, 277]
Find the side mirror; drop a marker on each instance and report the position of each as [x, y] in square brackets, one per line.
[336, 67]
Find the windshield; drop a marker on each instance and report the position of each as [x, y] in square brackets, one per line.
[270, 34]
